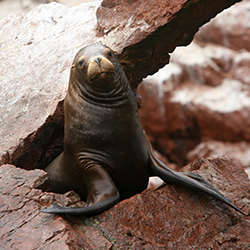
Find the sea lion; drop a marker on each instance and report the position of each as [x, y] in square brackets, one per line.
[107, 156]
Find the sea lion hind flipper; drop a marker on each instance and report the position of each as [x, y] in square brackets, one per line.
[89, 210]
[186, 179]
[202, 181]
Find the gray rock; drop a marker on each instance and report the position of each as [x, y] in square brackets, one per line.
[37, 50]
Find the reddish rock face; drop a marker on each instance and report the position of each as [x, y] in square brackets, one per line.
[199, 104]
[155, 29]
[170, 217]
[230, 29]
[239, 151]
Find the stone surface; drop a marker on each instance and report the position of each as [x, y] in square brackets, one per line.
[12, 6]
[230, 29]
[239, 151]
[41, 75]
[181, 117]
[22, 225]
[169, 23]
[202, 96]
[37, 49]
[170, 217]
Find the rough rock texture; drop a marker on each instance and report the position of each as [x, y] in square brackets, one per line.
[37, 50]
[12, 6]
[230, 30]
[168, 218]
[34, 91]
[199, 104]
[239, 151]
[158, 27]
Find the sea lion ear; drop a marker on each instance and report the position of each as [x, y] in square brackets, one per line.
[115, 53]
[73, 66]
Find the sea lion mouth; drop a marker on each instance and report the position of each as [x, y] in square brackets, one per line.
[102, 76]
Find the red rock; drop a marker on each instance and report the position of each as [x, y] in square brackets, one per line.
[154, 30]
[170, 217]
[230, 28]
[193, 113]
[207, 65]
[240, 67]
[203, 94]
[239, 151]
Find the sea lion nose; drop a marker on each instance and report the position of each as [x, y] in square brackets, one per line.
[98, 61]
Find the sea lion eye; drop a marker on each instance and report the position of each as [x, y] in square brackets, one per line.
[110, 54]
[81, 62]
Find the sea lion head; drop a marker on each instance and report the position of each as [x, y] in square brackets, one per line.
[97, 70]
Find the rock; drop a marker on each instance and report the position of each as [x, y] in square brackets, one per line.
[180, 120]
[12, 6]
[34, 83]
[153, 30]
[247, 170]
[207, 65]
[170, 217]
[240, 67]
[72, 3]
[30, 111]
[21, 198]
[202, 95]
[239, 151]
[230, 28]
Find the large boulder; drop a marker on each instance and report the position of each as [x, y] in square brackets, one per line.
[170, 217]
[37, 50]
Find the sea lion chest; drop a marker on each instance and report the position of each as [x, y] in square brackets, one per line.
[111, 135]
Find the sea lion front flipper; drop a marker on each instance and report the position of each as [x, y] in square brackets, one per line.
[186, 179]
[102, 193]
[90, 210]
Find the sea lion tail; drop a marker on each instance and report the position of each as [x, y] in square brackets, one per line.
[90, 210]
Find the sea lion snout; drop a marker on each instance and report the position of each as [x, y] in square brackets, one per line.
[99, 67]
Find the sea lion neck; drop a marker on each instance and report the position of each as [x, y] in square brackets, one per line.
[115, 97]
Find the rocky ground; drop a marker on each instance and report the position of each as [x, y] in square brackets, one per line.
[168, 218]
